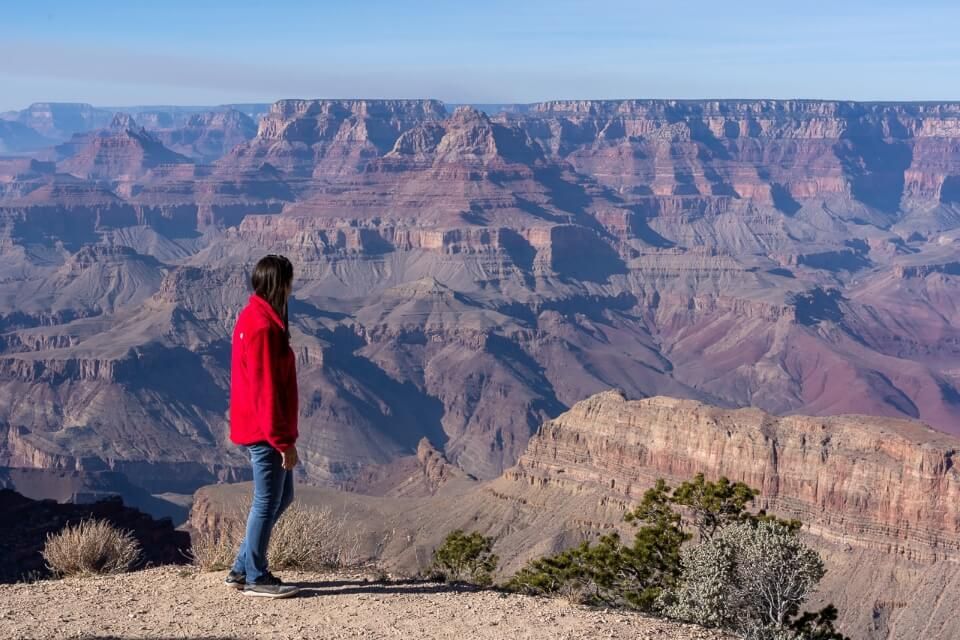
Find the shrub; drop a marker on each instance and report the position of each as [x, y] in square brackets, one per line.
[756, 631]
[702, 595]
[604, 573]
[215, 550]
[466, 558]
[609, 572]
[751, 577]
[713, 504]
[776, 572]
[91, 547]
[750, 573]
[303, 538]
[818, 625]
[566, 574]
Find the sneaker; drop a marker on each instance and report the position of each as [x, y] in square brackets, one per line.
[235, 579]
[270, 586]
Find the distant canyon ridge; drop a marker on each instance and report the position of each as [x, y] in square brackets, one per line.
[464, 275]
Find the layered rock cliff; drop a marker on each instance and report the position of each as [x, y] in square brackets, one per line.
[888, 485]
[208, 136]
[328, 137]
[877, 498]
[775, 152]
[16, 137]
[28, 523]
[463, 276]
[122, 151]
[60, 120]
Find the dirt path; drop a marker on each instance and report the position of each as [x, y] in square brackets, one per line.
[174, 603]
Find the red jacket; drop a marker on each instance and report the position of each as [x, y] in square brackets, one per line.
[263, 379]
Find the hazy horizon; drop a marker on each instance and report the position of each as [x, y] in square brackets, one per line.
[198, 106]
[183, 53]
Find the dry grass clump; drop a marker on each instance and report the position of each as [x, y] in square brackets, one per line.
[305, 538]
[215, 550]
[91, 547]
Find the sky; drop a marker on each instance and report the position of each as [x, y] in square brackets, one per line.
[201, 52]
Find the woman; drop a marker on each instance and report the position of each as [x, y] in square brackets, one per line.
[263, 419]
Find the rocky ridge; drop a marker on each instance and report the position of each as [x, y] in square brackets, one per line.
[208, 136]
[888, 485]
[876, 496]
[465, 276]
[161, 603]
[122, 151]
[27, 523]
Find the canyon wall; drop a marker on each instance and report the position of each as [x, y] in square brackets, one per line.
[464, 276]
[885, 484]
[877, 498]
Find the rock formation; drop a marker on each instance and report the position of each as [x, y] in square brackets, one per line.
[26, 524]
[464, 276]
[60, 120]
[877, 496]
[206, 137]
[121, 152]
[16, 137]
[884, 484]
[318, 138]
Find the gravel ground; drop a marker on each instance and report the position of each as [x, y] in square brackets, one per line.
[176, 603]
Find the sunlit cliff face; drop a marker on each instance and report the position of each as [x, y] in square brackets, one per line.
[466, 276]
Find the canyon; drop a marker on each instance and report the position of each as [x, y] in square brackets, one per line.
[877, 498]
[466, 275]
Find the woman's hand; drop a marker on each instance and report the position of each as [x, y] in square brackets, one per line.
[290, 457]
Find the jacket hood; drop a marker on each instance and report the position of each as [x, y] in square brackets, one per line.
[265, 308]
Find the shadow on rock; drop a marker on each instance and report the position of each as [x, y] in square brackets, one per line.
[402, 587]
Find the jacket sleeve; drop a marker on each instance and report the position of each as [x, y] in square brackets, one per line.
[264, 374]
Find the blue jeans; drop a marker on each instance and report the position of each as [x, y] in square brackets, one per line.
[272, 494]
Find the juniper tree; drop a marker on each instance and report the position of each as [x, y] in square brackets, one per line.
[713, 504]
[610, 572]
[466, 557]
[751, 577]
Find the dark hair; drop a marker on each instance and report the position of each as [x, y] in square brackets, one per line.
[269, 280]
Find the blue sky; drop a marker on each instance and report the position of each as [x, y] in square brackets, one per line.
[204, 52]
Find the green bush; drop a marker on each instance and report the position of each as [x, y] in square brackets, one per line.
[818, 625]
[713, 504]
[609, 572]
[750, 572]
[566, 574]
[466, 558]
[752, 577]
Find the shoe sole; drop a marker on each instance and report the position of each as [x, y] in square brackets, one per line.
[235, 585]
[261, 594]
